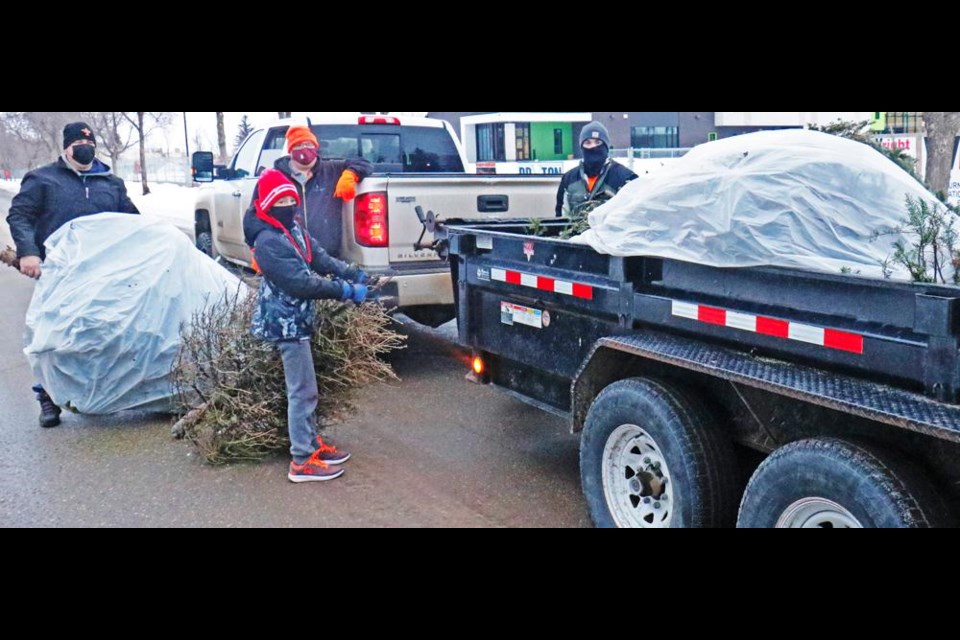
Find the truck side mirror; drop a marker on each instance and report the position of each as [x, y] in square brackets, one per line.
[201, 166]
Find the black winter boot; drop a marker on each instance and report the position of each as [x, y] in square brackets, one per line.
[49, 412]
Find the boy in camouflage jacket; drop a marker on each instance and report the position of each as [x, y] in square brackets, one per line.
[295, 270]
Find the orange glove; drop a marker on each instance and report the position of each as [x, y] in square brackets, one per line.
[347, 186]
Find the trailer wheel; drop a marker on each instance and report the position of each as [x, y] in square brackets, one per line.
[830, 483]
[652, 457]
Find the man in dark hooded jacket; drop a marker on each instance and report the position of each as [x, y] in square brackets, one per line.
[597, 179]
[76, 185]
[323, 185]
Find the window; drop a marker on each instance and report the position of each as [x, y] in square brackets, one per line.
[245, 162]
[523, 140]
[490, 144]
[391, 149]
[558, 141]
[712, 136]
[381, 148]
[655, 137]
[430, 150]
[904, 121]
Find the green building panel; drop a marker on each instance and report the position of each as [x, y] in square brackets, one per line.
[543, 140]
[878, 121]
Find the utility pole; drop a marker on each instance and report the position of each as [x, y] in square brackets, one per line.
[186, 135]
[186, 140]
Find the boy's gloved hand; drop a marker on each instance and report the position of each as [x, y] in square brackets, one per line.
[347, 186]
[355, 292]
[355, 274]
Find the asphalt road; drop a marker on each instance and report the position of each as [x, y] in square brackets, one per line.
[432, 450]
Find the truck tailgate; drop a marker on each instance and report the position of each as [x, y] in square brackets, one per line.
[469, 197]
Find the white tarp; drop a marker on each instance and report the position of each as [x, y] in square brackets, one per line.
[103, 327]
[793, 198]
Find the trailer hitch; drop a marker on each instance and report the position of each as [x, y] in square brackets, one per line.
[432, 224]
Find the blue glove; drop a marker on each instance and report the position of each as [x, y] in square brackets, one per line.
[355, 292]
[360, 292]
[355, 274]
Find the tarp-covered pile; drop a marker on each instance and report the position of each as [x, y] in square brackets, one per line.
[103, 328]
[793, 198]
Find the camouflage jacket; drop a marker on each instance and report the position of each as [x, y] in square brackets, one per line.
[286, 308]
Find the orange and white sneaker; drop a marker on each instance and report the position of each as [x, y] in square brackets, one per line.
[313, 470]
[329, 453]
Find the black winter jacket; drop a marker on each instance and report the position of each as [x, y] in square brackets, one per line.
[55, 194]
[573, 192]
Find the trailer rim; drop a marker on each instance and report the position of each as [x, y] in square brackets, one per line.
[817, 513]
[637, 484]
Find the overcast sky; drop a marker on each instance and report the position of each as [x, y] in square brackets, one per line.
[204, 124]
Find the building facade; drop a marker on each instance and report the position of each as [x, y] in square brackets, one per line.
[684, 129]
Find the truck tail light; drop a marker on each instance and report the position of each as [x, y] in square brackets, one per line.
[378, 120]
[370, 220]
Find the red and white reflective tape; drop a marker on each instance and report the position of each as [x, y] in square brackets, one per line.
[829, 338]
[575, 289]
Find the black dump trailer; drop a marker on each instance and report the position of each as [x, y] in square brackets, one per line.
[683, 377]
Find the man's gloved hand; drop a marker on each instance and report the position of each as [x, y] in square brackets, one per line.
[362, 277]
[355, 292]
[347, 186]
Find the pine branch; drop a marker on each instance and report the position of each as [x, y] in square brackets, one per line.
[9, 257]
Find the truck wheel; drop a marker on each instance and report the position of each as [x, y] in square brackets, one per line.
[204, 234]
[829, 483]
[653, 457]
[205, 242]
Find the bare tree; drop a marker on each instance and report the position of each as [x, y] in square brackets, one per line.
[39, 134]
[199, 142]
[942, 130]
[114, 133]
[18, 143]
[11, 156]
[144, 122]
[221, 137]
[143, 153]
[49, 125]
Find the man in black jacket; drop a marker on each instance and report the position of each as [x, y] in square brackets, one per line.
[76, 185]
[597, 179]
[323, 185]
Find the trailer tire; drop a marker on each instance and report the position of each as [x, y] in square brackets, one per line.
[834, 483]
[652, 456]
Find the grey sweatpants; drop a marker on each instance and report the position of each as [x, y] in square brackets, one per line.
[301, 397]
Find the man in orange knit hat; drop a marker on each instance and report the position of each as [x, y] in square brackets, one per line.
[323, 186]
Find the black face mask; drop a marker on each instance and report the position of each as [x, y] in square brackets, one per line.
[285, 215]
[83, 154]
[593, 159]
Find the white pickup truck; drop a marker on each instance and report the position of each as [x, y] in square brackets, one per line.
[417, 162]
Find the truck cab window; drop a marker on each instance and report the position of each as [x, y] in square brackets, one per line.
[245, 162]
